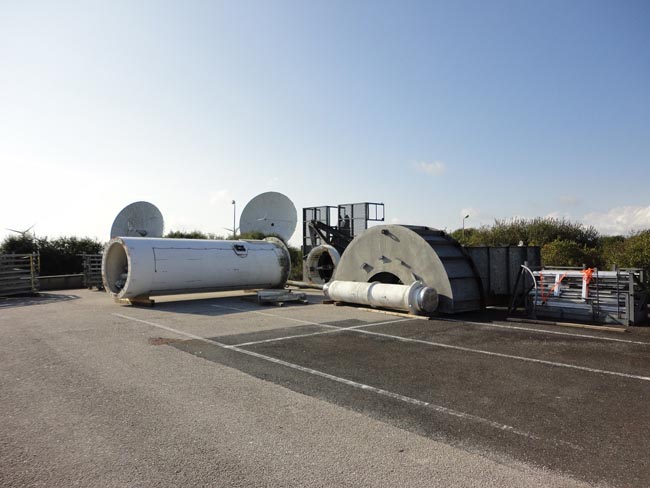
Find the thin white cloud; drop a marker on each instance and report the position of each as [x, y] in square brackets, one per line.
[219, 196]
[435, 168]
[569, 200]
[559, 215]
[620, 220]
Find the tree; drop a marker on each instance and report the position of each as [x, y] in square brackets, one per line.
[194, 234]
[532, 232]
[58, 256]
[178, 234]
[611, 250]
[19, 244]
[466, 236]
[635, 252]
[296, 263]
[569, 253]
[63, 255]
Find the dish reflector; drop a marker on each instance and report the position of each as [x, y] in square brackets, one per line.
[139, 219]
[269, 213]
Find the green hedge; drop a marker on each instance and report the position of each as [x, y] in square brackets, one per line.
[58, 256]
[564, 243]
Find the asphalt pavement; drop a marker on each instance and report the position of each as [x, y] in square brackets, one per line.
[213, 390]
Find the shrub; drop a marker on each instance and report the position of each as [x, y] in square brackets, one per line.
[23, 244]
[178, 234]
[63, 255]
[634, 252]
[58, 256]
[532, 232]
[569, 253]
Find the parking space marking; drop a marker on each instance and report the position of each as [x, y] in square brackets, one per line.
[507, 356]
[554, 332]
[266, 314]
[306, 322]
[502, 326]
[464, 349]
[459, 348]
[351, 383]
[333, 330]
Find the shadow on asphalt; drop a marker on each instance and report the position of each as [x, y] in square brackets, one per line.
[37, 299]
[222, 306]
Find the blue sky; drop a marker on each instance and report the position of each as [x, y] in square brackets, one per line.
[438, 109]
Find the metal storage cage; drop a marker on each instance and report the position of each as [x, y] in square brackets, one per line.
[19, 274]
[92, 267]
[619, 296]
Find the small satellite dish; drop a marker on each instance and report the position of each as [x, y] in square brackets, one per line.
[139, 219]
[270, 213]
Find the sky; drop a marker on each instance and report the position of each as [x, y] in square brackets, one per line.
[439, 110]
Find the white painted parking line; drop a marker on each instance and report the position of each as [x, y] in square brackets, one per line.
[333, 330]
[540, 331]
[306, 322]
[468, 349]
[507, 356]
[502, 326]
[266, 314]
[276, 316]
[351, 383]
[588, 336]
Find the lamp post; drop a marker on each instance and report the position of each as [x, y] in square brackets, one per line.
[234, 219]
[466, 217]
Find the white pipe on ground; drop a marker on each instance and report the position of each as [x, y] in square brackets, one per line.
[141, 267]
[414, 298]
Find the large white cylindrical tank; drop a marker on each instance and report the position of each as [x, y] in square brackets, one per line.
[142, 267]
[414, 298]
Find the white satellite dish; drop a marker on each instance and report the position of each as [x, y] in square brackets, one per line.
[139, 219]
[269, 213]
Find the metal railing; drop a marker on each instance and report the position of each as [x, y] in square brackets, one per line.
[617, 296]
[92, 269]
[19, 274]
